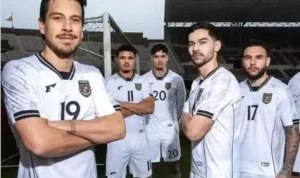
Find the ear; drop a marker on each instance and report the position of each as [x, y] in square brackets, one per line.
[268, 61]
[42, 26]
[218, 45]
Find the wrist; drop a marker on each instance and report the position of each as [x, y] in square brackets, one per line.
[72, 127]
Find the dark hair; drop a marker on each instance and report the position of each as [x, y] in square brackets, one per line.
[45, 7]
[159, 47]
[126, 48]
[212, 30]
[259, 43]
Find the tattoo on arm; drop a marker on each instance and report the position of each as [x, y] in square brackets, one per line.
[292, 144]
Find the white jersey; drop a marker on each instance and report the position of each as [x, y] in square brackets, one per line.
[169, 93]
[294, 88]
[265, 111]
[217, 97]
[132, 90]
[34, 88]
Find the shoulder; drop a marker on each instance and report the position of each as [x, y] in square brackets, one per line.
[148, 74]
[175, 76]
[277, 84]
[223, 77]
[243, 84]
[111, 79]
[295, 80]
[20, 68]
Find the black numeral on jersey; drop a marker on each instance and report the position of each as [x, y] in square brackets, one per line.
[67, 108]
[130, 95]
[251, 113]
[160, 95]
[173, 154]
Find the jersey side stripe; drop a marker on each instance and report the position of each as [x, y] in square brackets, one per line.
[205, 113]
[27, 113]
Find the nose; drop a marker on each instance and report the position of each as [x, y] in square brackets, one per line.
[67, 26]
[252, 61]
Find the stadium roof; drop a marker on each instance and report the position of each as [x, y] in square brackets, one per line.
[232, 10]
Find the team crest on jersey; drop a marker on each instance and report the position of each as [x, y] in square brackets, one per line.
[267, 97]
[84, 88]
[168, 85]
[138, 86]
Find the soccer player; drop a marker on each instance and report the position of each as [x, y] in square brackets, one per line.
[51, 86]
[268, 121]
[169, 92]
[136, 101]
[294, 88]
[209, 114]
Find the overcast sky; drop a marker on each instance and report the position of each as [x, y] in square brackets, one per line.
[145, 16]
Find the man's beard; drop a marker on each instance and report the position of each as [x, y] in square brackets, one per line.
[205, 60]
[126, 71]
[62, 53]
[258, 75]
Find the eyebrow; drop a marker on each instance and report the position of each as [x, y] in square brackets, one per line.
[59, 13]
[201, 39]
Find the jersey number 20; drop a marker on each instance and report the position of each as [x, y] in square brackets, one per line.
[160, 95]
[67, 108]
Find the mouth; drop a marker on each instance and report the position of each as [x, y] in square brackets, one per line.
[252, 69]
[197, 55]
[67, 37]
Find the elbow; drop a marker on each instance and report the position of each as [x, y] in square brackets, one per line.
[150, 110]
[119, 128]
[39, 148]
[192, 135]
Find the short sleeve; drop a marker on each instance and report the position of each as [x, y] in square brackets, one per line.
[216, 99]
[104, 103]
[20, 95]
[287, 110]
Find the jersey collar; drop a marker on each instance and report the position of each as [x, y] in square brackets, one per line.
[253, 89]
[62, 75]
[160, 78]
[209, 74]
[126, 79]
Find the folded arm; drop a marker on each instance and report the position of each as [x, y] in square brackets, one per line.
[99, 131]
[144, 107]
[195, 127]
[46, 141]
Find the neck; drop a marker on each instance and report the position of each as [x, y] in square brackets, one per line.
[61, 64]
[160, 73]
[126, 75]
[207, 68]
[258, 82]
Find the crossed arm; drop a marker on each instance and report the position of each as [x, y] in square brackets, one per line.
[195, 127]
[54, 139]
[144, 107]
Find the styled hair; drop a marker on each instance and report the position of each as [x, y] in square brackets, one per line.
[159, 47]
[212, 30]
[44, 8]
[123, 48]
[259, 43]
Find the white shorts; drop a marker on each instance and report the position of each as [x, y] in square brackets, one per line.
[250, 175]
[164, 145]
[132, 152]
